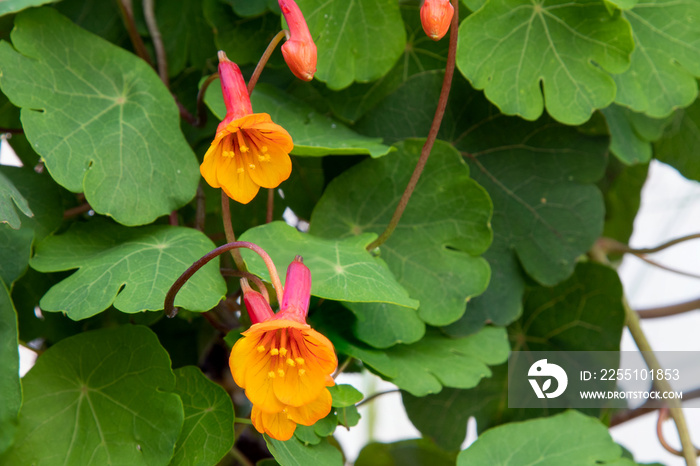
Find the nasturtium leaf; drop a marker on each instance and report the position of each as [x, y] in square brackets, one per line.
[666, 57]
[621, 4]
[313, 134]
[435, 250]
[187, 37]
[420, 54]
[437, 361]
[680, 144]
[10, 387]
[509, 48]
[11, 200]
[101, 397]
[341, 269]
[631, 134]
[344, 395]
[294, 453]
[13, 6]
[383, 325]
[584, 313]
[417, 452]
[9, 114]
[99, 117]
[42, 196]
[358, 40]
[207, 434]
[130, 268]
[307, 435]
[569, 438]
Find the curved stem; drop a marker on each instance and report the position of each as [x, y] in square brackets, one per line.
[635, 328]
[169, 303]
[201, 210]
[344, 366]
[671, 310]
[663, 415]
[263, 61]
[127, 10]
[150, 17]
[249, 276]
[11, 130]
[73, 211]
[376, 395]
[649, 406]
[664, 267]
[611, 245]
[270, 205]
[432, 134]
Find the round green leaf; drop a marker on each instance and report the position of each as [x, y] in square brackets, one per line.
[357, 40]
[569, 438]
[631, 133]
[509, 48]
[101, 397]
[666, 57]
[418, 452]
[131, 268]
[341, 270]
[99, 117]
[207, 434]
[344, 395]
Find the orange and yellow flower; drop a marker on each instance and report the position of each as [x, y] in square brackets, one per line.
[283, 364]
[249, 150]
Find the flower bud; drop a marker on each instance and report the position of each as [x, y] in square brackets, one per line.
[258, 308]
[299, 50]
[436, 16]
[297, 291]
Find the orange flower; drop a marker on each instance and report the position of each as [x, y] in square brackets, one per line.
[282, 363]
[249, 150]
[300, 50]
[435, 16]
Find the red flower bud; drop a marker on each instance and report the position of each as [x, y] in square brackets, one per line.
[299, 50]
[436, 16]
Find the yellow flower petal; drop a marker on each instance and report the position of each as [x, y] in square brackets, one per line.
[310, 413]
[278, 425]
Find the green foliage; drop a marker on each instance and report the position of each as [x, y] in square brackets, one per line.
[511, 47]
[342, 270]
[10, 386]
[313, 134]
[130, 268]
[11, 200]
[495, 250]
[207, 433]
[448, 211]
[71, 86]
[584, 313]
[101, 397]
[666, 57]
[347, 35]
[570, 437]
